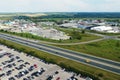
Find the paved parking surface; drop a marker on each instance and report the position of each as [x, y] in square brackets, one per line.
[20, 66]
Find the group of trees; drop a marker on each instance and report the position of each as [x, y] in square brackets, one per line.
[72, 15]
[82, 15]
[75, 34]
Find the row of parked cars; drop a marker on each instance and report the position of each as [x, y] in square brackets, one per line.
[24, 69]
[19, 67]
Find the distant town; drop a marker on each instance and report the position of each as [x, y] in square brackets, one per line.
[28, 26]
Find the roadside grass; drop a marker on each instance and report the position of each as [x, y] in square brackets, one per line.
[63, 62]
[84, 37]
[109, 49]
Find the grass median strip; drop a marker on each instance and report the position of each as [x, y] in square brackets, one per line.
[68, 64]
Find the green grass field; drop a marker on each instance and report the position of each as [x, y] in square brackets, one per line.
[109, 49]
[81, 68]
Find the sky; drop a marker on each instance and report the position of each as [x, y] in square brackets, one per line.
[59, 5]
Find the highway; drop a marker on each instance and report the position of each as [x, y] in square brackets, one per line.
[105, 64]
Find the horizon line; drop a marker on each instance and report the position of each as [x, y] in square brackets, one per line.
[61, 12]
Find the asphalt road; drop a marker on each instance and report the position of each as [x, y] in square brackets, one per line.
[98, 62]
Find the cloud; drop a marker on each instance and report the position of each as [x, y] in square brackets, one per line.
[13, 5]
[59, 5]
[43, 5]
[110, 6]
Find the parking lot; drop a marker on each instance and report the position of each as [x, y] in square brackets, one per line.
[20, 66]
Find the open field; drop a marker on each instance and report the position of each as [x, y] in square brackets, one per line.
[109, 49]
[22, 14]
[72, 65]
